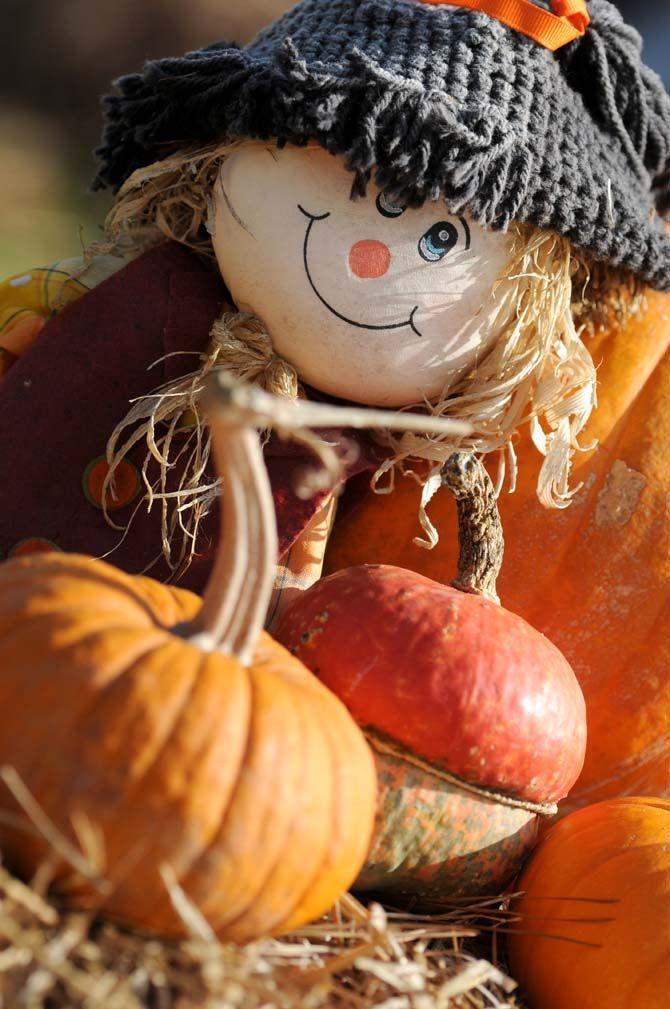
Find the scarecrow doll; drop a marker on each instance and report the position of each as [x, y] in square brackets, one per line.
[402, 203]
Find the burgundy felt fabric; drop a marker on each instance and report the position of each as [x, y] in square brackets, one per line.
[61, 400]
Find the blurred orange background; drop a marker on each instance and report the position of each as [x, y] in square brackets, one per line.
[60, 55]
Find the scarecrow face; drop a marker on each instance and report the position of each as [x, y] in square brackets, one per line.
[369, 301]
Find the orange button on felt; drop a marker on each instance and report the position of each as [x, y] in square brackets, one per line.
[7, 359]
[33, 545]
[369, 259]
[20, 334]
[125, 485]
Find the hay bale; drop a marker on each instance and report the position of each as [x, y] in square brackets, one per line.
[356, 957]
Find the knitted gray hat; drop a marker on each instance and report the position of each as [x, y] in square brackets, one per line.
[433, 102]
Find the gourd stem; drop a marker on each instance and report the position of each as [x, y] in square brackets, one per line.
[240, 586]
[480, 531]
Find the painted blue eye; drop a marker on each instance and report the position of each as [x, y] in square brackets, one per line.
[387, 208]
[438, 241]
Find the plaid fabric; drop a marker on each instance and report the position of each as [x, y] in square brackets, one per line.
[29, 299]
[302, 565]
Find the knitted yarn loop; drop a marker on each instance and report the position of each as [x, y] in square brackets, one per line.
[432, 103]
[628, 99]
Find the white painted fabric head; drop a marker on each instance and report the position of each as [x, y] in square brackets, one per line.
[369, 301]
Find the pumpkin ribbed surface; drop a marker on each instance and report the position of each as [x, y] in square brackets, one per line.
[594, 925]
[248, 779]
[193, 746]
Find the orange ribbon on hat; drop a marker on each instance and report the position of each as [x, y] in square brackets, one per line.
[552, 30]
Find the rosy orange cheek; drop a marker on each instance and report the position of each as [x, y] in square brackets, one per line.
[369, 259]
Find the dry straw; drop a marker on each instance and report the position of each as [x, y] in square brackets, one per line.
[539, 372]
[356, 957]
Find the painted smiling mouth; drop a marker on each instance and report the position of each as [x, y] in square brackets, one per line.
[313, 218]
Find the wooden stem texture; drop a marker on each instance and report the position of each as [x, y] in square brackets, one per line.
[480, 531]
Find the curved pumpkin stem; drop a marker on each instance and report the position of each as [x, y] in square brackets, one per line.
[480, 531]
[240, 586]
[239, 589]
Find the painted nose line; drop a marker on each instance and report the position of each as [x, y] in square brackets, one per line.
[369, 259]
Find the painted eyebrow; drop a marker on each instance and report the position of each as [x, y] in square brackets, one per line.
[466, 229]
[231, 209]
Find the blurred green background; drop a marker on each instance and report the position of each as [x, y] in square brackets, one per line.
[60, 55]
[58, 58]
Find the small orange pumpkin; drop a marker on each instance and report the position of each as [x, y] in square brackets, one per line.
[593, 927]
[185, 735]
[595, 577]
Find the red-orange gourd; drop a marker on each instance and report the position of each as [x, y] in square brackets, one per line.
[595, 578]
[476, 719]
[183, 734]
[593, 928]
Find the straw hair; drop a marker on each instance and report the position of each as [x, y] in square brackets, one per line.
[170, 424]
[538, 372]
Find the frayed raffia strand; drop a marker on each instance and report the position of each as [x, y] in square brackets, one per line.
[240, 350]
[172, 199]
[393, 749]
[169, 199]
[538, 372]
[240, 344]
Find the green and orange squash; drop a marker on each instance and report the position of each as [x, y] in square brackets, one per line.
[476, 720]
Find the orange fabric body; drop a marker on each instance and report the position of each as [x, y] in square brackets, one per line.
[553, 31]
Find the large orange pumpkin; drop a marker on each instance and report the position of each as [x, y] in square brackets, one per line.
[185, 736]
[593, 926]
[594, 578]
